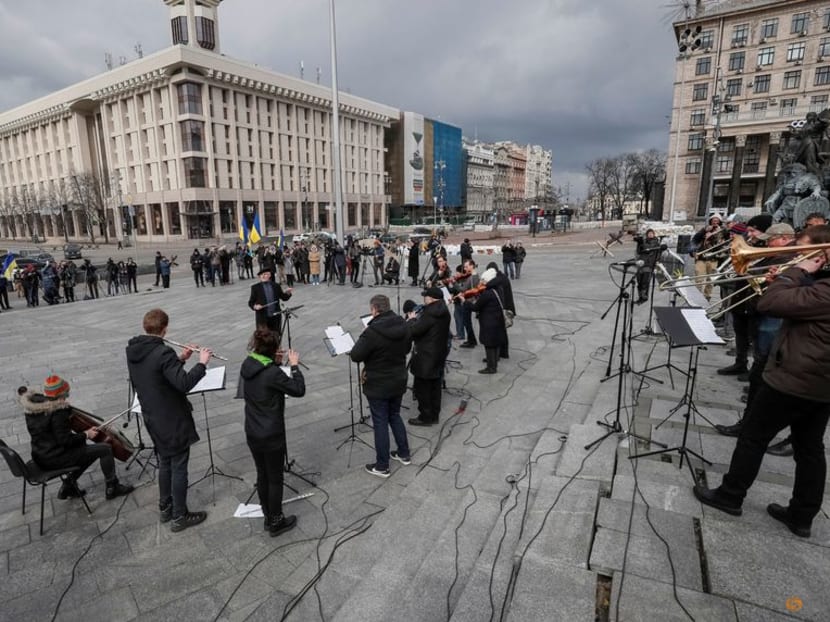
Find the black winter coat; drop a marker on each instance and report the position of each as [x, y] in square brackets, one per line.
[162, 384]
[430, 337]
[492, 331]
[502, 285]
[264, 388]
[414, 255]
[258, 297]
[54, 444]
[382, 348]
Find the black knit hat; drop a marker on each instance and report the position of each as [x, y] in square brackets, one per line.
[761, 222]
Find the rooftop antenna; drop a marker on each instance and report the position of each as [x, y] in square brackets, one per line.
[302, 70]
[108, 60]
[138, 50]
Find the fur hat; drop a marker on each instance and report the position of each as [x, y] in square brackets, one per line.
[761, 222]
[489, 275]
[55, 387]
[433, 292]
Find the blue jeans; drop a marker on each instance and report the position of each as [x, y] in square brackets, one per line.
[509, 267]
[458, 315]
[173, 482]
[386, 413]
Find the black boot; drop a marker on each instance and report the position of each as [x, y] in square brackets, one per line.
[116, 489]
[730, 430]
[70, 490]
[188, 519]
[733, 370]
[781, 448]
[166, 511]
[715, 499]
[281, 524]
[782, 514]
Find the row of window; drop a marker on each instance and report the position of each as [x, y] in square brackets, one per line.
[761, 84]
[799, 24]
[765, 57]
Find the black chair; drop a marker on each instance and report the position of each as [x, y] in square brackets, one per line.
[35, 476]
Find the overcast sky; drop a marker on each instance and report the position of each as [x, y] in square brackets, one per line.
[584, 78]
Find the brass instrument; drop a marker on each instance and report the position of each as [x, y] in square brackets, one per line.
[742, 254]
[717, 248]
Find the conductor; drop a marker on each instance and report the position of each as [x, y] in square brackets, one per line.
[264, 300]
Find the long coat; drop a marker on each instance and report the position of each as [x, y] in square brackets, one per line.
[414, 254]
[264, 388]
[430, 336]
[314, 262]
[492, 331]
[162, 384]
[258, 297]
[382, 348]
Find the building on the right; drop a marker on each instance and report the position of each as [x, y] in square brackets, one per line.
[745, 71]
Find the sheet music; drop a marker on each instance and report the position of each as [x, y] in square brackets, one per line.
[213, 380]
[447, 294]
[248, 510]
[332, 332]
[690, 293]
[136, 407]
[366, 319]
[701, 325]
[341, 344]
[286, 369]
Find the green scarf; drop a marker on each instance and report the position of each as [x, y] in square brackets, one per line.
[261, 358]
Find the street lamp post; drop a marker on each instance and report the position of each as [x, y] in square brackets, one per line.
[440, 165]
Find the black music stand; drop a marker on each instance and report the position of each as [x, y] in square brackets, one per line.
[686, 327]
[214, 380]
[623, 302]
[337, 345]
[135, 409]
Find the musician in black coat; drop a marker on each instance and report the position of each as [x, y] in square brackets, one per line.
[264, 300]
[264, 386]
[162, 385]
[56, 446]
[492, 330]
[430, 336]
[414, 268]
[502, 285]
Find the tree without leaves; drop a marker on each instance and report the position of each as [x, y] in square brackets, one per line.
[649, 169]
[621, 177]
[88, 192]
[600, 173]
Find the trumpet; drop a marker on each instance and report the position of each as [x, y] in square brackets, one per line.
[196, 349]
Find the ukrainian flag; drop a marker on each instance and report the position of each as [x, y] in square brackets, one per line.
[243, 230]
[282, 240]
[9, 266]
[255, 235]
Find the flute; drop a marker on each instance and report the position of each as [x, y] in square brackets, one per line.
[196, 349]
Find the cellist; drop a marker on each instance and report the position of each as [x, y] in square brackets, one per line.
[56, 446]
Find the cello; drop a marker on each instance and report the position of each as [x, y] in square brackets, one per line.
[80, 421]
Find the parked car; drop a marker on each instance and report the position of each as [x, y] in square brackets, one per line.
[72, 251]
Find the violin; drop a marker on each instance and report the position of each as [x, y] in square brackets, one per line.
[475, 291]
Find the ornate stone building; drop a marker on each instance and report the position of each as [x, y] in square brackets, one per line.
[480, 176]
[184, 143]
[745, 71]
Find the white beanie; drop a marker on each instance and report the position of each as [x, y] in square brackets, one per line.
[488, 275]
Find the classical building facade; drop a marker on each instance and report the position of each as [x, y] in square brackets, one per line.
[746, 69]
[538, 172]
[480, 178]
[186, 142]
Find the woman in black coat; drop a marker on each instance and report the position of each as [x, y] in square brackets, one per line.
[414, 269]
[264, 386]
[492, 330]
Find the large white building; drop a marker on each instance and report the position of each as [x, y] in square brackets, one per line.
[480, 178]
[538, 172]
[184, 143]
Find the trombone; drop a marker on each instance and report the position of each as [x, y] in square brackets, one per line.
[717, 248]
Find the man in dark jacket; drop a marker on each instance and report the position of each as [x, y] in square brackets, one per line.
[265, 300]
[466, 251]
[264, 386]
[162, 384]
[382, 348]
[413, 269]
[158, 267]
[91, 279]
[430, 337]
[794, 393]
[56, 446]
[197, 265]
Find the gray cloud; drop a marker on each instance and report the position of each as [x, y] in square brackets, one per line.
[584, 78]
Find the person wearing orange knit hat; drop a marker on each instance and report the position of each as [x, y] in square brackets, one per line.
[55, 445]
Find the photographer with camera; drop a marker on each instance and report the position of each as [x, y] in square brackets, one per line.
[648, 251]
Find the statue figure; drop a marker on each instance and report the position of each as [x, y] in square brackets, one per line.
[798, 193]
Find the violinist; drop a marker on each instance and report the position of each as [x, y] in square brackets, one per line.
[442, 274]
[710, 250]
[464, 306]
[56, 446]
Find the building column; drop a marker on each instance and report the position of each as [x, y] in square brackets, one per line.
[770, 181]
[737, 169]
[706, 180]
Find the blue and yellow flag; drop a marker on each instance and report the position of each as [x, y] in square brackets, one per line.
[243, 230]
[256, 234]
[282, 239]
[9, 266]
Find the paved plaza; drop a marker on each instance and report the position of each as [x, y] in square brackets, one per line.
[503, 513]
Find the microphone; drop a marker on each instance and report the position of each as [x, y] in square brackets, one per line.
[639, 263]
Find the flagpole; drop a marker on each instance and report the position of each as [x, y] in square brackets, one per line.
[335, 110]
